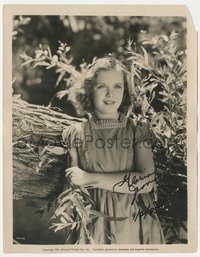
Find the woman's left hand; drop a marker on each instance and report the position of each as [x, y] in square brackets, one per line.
[77, 176]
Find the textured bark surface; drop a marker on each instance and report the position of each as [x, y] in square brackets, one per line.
[38, 173]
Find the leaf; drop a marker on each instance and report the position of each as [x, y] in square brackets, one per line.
[65, 199]
[24, 21]
[49, 51]
[182, 71]
[80, 207]
[73, 226]
[14, 33]
[166, 39]
[67, 217]
[27, 62]
[91, 240]
[43, 63]
[60, 227]
[168, 123]
[88, 206]
[24, 56]
[51, 66]
[62, 93]
[142, 66]
[38, 53]
[85, 191]
[110, 235]
[35, 65]
[60, 210]
[63, 220]
[65, 193]
[166, 229]
[170, 79]
[67, 49]
[134, 54]
[146, 57]
[60, 78]
[184, 227]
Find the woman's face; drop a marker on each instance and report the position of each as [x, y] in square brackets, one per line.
[108, 93]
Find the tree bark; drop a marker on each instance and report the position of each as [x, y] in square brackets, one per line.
[38, 174]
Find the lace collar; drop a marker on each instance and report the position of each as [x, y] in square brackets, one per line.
[107, 123]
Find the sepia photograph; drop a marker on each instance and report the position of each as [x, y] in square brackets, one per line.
[99, 130]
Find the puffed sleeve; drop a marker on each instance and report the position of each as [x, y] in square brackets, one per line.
[144, 134]
[73, 139]
[144, 141]
[72, 136]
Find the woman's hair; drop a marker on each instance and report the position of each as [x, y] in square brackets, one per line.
[105, 63]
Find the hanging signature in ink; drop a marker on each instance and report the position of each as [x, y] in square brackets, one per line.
[132, 181]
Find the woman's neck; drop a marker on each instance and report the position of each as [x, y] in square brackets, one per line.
[106, 116]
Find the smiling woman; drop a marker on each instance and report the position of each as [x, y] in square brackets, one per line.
[107, 171]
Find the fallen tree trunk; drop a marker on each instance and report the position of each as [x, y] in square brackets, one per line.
[37, 175]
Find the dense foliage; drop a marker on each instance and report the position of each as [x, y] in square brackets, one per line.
[88, 36]
[154, 51]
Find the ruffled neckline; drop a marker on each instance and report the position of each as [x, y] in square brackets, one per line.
[97, 123]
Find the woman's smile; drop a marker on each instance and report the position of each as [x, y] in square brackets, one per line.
[109, 102]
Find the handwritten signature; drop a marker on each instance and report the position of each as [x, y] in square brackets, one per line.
[143, 214]
[132, 181]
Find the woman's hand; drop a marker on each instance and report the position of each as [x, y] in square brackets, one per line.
[77, 176]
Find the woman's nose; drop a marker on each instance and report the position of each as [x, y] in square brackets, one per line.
[108, 92]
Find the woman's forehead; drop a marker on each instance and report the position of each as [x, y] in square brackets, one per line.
[113, 75]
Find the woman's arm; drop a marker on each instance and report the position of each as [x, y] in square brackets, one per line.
[122, 182]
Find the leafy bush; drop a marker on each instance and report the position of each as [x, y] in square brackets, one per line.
[161, 75]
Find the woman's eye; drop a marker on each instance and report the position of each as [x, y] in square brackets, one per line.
[119, 86]
[99, 86]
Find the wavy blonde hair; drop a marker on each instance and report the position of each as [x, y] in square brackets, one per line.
[84, 97]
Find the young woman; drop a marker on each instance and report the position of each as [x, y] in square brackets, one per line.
[114, 158]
